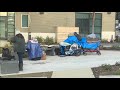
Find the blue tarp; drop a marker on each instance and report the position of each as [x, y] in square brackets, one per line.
[72, 39]
[34, 50]
[83, 42]
[87, 45]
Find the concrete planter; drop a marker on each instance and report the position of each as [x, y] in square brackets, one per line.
[8, 67]
[110, 76]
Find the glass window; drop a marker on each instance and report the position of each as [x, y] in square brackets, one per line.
[82, 16]
[24, 21]
[10, 35]
[11, 13]
[11, 23]
[2, 26]
[10, 26]
[98, 35]
[7, 24]
[10, 19]
[96, 23]
[2, 29]
[2, 18]
[97, 16]
[86, 27]
[11, 30]
[96, 29]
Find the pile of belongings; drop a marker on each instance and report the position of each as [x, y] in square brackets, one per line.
[73, 40]
[73, 50]
[34, 50]
[80, 41]
[92, 38]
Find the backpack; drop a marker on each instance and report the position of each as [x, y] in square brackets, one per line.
[6, 54]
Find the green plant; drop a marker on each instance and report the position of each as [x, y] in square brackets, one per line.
[0, 50]
[117, 63]
[106, 67]
[115, 47]
[117, 39]
[40, 39]
[116, 73]
[25, 55]
[104, 41]
[49, 40]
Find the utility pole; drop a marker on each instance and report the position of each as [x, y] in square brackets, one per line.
[93, 22]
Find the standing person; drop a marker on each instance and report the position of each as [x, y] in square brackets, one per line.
[19, 47]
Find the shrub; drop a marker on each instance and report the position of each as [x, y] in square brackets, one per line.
[117, 39]
[49, 40]
[25, 55]
[106, 67]
[117, 63]
[104, 41]
[115, 47]
[40, 39]
[0, 50]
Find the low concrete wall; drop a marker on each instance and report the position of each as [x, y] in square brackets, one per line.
[44, 35]
[107, 35]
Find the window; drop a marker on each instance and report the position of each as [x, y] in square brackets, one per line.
[24, 21]
[84, 22]
[82, 16]
[7, 25]
[97, 22]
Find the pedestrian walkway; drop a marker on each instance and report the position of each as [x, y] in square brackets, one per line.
[67, 66]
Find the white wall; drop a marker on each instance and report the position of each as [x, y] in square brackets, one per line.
[44, 35]
[107, 35]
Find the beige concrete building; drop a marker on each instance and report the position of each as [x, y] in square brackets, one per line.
[47, 24]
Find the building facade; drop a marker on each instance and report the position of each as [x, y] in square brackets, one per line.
[45, 23]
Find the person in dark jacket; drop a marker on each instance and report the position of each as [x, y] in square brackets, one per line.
[77, 35]
[19, 47]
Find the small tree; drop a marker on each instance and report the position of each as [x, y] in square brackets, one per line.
[49, 40]
[40, 39]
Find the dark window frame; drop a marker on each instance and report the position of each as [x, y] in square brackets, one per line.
[89, 21]
[22, 21]
[6, 23]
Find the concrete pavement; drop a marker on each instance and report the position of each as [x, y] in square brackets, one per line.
[71, 66]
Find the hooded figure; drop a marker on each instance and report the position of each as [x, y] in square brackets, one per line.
[19, 47]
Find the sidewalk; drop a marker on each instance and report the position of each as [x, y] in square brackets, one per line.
[71, 66]
[75, 73]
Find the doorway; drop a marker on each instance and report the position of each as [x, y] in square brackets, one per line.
[83, 25]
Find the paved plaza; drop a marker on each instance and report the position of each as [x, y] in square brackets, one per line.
[79, 65]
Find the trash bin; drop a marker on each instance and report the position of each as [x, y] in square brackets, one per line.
[50, 51]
